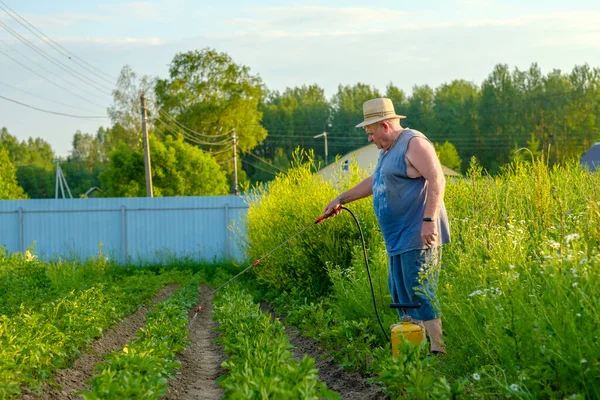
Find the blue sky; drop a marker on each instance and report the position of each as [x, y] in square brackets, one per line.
[287, 43]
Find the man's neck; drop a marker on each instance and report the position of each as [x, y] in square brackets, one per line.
[394, 136]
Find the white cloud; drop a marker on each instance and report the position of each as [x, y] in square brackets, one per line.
[120, 41]
[140, 9]
[314, 20]
[44, 22]
[583, 40]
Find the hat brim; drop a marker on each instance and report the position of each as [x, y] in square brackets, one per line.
[373, 121]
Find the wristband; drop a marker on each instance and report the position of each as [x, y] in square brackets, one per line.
[428, 220]
[341, 199]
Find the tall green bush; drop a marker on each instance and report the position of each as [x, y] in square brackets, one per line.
[287, 205]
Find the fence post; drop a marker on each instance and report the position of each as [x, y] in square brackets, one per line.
[227, 250]
[21, 243]
[124, 233]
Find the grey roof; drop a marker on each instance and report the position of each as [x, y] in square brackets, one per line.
[591, 158]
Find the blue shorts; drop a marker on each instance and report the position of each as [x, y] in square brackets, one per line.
[413, 278]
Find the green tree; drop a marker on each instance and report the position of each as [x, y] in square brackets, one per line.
[125, 112]
[178, 169]
[291, 119]
[420, 113]
[347, 112]
[501, 113]
[398, 98]
[87, 149]
[9, 188]
[456, 119]
[32, 159]
[38, 182]
[210, 94]
[33, 151]
[448, 155]
[206, 97]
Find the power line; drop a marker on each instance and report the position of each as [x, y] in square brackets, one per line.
[46, 78]
[43, 98]
[192, 139]
[257, 167]
[166, 115]
[46, 39]
[265, 161]
[51, 112]
[59, 64]
[176, 132]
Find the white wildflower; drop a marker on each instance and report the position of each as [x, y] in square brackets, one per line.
[583, 361]
[553, 244]
[583, 260]
[574, 284]
[579, 315]
[511, 266]
[476, 376]
[514, 387]
[571, 237]
[574, 272]
[475, 293]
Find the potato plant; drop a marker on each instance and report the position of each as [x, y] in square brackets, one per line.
[260, 363]
[143, 367]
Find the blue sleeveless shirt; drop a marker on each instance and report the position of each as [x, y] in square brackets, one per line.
[399, 201]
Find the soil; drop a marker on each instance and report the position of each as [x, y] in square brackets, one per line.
[71, 380]
[350, 385]
[201, 361]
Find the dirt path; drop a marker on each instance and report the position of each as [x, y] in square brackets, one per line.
[71, 380]
[350, 385]
[201, 361]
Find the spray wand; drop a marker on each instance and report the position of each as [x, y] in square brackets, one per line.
[315, 222]
[258, 260]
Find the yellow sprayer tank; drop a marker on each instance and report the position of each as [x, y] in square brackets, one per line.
[406, 330]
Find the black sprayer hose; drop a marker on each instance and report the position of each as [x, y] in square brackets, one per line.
[364, 247]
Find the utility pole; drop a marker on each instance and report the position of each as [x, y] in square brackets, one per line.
[60, 180]
[146, 149]
[324, 134]
[235, 177]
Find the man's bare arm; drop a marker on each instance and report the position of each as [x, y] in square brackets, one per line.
[359, 191]
[421, 154]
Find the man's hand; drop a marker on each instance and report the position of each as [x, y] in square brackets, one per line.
[333, 208]
[429, 233]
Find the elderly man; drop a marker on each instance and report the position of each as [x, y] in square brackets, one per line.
[408, 198]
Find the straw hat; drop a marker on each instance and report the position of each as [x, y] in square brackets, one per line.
[376, 110]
